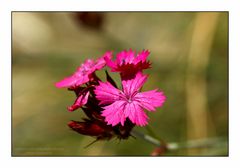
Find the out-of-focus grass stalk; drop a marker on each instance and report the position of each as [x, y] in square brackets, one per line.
[198, 119]
[216, 142]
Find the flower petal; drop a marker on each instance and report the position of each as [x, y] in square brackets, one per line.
[80, 101]
[136, 114]
[109, 62]
[84, 79]
[150, 99]
[120, 57]
[100, 63]
[126, 60]
[114, 113]
[75, 80]
[83, 73]
[66, 82]
[132, 85]
[142, 56]
[130, 57]
[106, 93]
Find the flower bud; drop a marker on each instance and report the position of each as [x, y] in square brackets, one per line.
[86, 128]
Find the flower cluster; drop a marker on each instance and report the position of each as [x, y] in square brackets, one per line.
[112, 111]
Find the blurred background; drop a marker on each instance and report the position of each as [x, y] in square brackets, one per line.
[189, 55]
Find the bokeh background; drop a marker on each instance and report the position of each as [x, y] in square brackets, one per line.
[189, 55]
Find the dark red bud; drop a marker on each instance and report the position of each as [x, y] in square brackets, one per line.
[87, 128]
[92, 113]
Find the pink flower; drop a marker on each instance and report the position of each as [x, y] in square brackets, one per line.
[83, 73]
[79, 102]
[127, 64]
[129, 103]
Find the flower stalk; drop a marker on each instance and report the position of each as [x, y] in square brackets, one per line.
[163, 147]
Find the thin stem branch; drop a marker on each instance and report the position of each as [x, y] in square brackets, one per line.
[147, 138]
[201, 143]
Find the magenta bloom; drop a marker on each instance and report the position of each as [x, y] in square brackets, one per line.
[129, 103]
[111, 112]
[79, 102]
[84, 73]
[127, 63]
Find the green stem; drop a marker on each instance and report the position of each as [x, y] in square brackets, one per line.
[216, 142]
[147, 138]
[151, 132]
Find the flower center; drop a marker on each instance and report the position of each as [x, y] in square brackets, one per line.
[128, 97]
